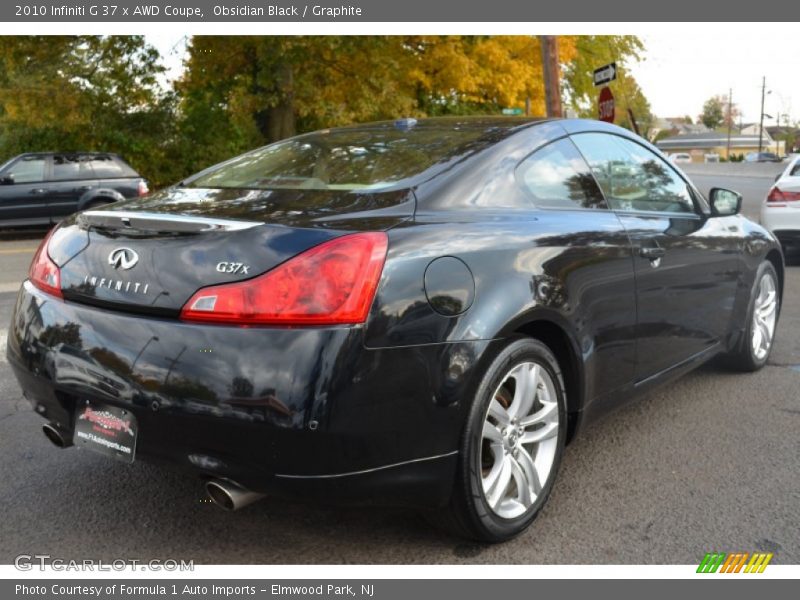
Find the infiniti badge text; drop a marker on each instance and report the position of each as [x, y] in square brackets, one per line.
[134, 287]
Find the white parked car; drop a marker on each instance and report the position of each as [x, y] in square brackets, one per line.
[680, 158]
[780, 212]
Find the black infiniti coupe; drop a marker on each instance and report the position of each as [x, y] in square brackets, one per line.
[417, 313]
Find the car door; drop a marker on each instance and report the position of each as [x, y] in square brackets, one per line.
[590, 263]
[686, 263]
[71, 178]
[23, 192]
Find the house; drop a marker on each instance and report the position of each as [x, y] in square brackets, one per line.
[790, 136]
[748, 128]
[697, 145]
[676, 126]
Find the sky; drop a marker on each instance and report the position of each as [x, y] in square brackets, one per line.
[679, 71]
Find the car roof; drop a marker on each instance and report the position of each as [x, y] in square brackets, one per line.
[470, 123]
[69, 153]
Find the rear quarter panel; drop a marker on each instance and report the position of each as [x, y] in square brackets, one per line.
[569, 268]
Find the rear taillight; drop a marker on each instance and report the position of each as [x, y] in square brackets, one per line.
[778, 195]
[775, 195]
[333, 283]
[143, 189]
[44, 273]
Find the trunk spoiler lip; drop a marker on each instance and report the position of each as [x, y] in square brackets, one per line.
[164, 222]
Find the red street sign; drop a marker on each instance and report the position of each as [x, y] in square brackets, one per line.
[605, 105]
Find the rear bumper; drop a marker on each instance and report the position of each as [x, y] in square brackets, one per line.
[783, 222]
[308, 411]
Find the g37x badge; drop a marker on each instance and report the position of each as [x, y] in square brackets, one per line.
[233, 268]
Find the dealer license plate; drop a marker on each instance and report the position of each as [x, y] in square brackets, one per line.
[106, 429]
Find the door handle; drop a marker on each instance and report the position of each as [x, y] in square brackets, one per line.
[83, 188]
[38, 191]
[652, 253]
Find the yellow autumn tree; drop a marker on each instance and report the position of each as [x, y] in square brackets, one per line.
[271, 87]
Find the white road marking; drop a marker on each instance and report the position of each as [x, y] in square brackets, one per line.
[3, 338]
[18, 251]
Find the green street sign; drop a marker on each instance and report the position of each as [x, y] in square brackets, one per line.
[512, 111]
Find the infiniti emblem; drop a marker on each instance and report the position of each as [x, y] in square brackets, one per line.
[124, 258]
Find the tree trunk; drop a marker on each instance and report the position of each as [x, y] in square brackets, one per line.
[278, 122]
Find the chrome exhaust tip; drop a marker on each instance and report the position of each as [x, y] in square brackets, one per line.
[230, 495]
[55, 436]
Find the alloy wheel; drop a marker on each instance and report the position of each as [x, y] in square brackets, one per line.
[764, 316]
[519, 440]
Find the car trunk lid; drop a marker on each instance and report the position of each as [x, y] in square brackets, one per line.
[150, 255]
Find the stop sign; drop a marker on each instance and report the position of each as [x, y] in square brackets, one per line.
[605, 105]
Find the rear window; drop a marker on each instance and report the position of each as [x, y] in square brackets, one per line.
[341, 160]
[109, 167]
[556, 176]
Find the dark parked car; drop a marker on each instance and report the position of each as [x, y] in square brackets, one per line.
[762, 157]
[43, 188]
[411, 313]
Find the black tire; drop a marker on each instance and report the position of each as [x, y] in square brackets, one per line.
[791, 254]
[744, 357]
[469, 514]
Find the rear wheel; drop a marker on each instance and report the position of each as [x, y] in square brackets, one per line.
[756, 344]
[512, 445]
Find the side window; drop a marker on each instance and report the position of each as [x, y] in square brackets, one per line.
[28, 169]
[70, 167]
[632, 177]
[558, 177]
[108, 167]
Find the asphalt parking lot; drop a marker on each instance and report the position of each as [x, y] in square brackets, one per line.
[709, 463]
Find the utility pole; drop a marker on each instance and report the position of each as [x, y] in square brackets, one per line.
[552, 87]
[730, 122]
[761, 122]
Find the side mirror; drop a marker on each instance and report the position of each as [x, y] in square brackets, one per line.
[725, 203]
[7, 180]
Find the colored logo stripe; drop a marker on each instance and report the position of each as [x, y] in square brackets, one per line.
[759, 561]
[734, 562]
[711, 562]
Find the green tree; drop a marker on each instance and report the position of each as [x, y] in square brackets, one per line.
[73, 93]
[593, 51]
[243, 91]
[713, 114]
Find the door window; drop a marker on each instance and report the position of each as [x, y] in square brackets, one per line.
[28, 169]
[632, 177]
[67, 167]
[557, 176]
